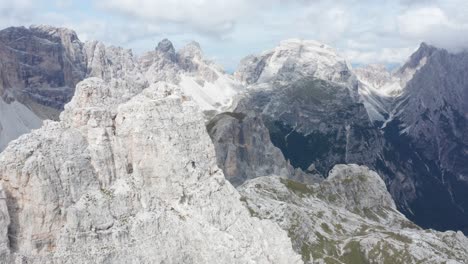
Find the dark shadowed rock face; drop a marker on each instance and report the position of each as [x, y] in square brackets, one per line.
[315, 123]
[244, 149]
[39, 68]
[40, 65]
[432, 119]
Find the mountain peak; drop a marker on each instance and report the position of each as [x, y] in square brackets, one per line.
[191, 50]
[416, 61]
[165, 45]
[426, 46]
[424, 51]
[308, 44]
[59, 32]
[166, 49]
[293, 59]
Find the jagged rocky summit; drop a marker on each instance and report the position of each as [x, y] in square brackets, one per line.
[127, 175]
[41, 66]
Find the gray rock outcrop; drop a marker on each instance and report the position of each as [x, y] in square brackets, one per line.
[348, 218]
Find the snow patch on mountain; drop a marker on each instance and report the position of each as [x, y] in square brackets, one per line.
[217, 95]
[15, 120]
[293, 59]
[202, 79]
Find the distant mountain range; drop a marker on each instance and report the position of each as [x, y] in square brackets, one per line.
[325, 158]
[410, 125]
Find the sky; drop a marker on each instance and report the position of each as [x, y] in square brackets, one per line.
[363, 31]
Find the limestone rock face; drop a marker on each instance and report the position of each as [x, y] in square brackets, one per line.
[244, 149]
[113, 64]
[203, 80]
[4, 223]
[348, 218]
[39, 69]
[41, 63]
[128, 175]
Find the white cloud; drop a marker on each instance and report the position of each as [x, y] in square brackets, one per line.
[15, 5]
[384, 55]
[12, 12]
[63, 3]
[441, 26]
[212, 17]
[417, 22]
[328, 22]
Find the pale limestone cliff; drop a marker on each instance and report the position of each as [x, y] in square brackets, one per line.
[128, 175]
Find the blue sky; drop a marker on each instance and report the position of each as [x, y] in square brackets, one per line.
[363, 31]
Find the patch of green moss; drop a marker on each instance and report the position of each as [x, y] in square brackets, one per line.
[238, 116]
[330, 260]
[324, 248]
[339, 228]
[326, 228]
[252, 212]
[362, 178]
[298, 188]
[332, 198]
[353, 254]
[321, 196]
[306, 252]
[320, 214]
[363, 230]
[293, 229]
[386, 253]
[107, 193]
[348, 180]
